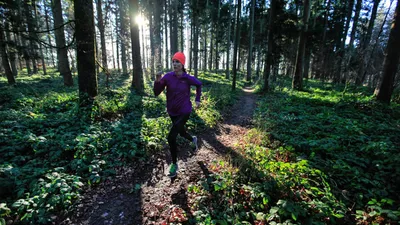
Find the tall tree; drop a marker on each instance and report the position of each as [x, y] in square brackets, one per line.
[100, 25]
[390, 65]
[196, 14]
[4, 56]
[268, 58]
[352, 37]
[48, 50]
[237, 40]
[364, 42]
[32, 33]
[174, 26]
[11, 51]
[297, 82]
[85, 41]
[251, 33]
[167, 60]
[123, 35]
[62, 51]
[40, 44]
[137, 81]
[118, 35]
[228, 42]
[157, 34]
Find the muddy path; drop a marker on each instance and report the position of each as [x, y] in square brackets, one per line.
[143, 194]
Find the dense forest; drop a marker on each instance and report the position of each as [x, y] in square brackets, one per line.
[76, 105]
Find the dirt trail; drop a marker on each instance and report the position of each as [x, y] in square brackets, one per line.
[149, 196]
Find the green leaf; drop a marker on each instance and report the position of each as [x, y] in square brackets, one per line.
[294, 216]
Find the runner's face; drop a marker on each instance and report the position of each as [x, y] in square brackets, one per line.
[177, 65]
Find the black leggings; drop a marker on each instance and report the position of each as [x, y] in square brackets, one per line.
[178, 127]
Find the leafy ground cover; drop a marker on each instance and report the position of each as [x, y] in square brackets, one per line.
[52, 150]
[321, 156]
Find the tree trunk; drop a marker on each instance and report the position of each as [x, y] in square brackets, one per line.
[365, 42]
[204, 66]
[191, 44]
[11, 54]
[343, 41]
[174, 27]
[237, 40]
[152, 46]
[4, 57]
[32, 35]
[118, 37]
[157, 35]
[182, 25]
[228, 43]
[112, 48]
[352, 37]
[390, 65]
[167, 55]
[196, 41]
[85, 40]
[210, 60]
[124, 35]
[48, 33]
[340, 24]
[17, 39]
[100, 25]
[40, 44]
[137, 81]
[251, 33]
[321, 69]
[217, 39]
[62, 54]
[297, 83]
[355, 23]
[268, 58]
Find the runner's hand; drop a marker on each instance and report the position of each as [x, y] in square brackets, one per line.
[197, 105]
[158, 76]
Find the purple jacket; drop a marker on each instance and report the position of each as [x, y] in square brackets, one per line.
[178, 92]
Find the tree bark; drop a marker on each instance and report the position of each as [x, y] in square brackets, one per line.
[365, 42]
[152, 46]
[137, 81]
[167, 55]
[123, 35]
[48, 34]
[237, 40]
[268, 58]
[251, 32]
[228, 43]
[100, 25]
[40, 44]
[196, 40]
[297, 83]
[85, 40]
[4, 57]
[390, 65]
[118, 36]
[157, 35]
[62, 54]
[11, 54]
[174, 27]
[32, 35]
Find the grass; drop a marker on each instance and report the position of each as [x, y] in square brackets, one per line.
[319, 156]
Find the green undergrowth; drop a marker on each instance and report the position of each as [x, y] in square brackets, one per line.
[52, 150]
[320, 156]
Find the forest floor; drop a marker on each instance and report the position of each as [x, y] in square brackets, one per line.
[144, 194]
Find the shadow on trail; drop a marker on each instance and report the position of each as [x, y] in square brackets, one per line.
[214, 145]
[119, 200]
